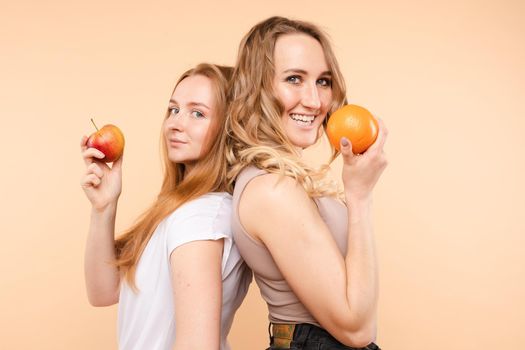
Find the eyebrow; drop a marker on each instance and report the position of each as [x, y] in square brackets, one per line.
[302, 71]
[192, 104]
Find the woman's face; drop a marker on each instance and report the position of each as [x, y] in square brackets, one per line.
[189, 126]
[302, 83]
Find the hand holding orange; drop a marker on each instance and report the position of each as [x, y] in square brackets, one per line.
[355, 123]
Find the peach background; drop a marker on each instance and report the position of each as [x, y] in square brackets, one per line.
[447, 77]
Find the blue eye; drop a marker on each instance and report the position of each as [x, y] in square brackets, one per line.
[293, 79]
[174, 110]
[197, 114]
[324, 82]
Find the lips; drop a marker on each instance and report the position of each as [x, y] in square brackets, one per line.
[303, 119]
[176, 142]
[307, 118]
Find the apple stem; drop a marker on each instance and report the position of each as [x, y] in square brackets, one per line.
[94, 123]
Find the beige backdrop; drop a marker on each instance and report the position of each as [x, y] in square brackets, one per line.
[447, 77]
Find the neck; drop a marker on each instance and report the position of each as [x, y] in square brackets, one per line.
[188, 168]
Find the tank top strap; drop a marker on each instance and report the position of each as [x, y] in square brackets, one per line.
[246, 175]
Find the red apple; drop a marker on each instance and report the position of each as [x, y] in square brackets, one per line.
[108, 140]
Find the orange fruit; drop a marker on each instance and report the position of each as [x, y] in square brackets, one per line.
[355, 123]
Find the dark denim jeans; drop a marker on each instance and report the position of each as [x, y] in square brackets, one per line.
[310, 337]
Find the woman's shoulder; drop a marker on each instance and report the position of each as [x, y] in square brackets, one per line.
[204, 218]
[214, 197]
[248, 172]
[270, 188]
[284, 203]
[208, 205]
[257, 177]
[269, 181]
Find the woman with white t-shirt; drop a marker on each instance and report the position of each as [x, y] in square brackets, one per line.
[176, 274]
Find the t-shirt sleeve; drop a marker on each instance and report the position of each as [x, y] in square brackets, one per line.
[205, 218]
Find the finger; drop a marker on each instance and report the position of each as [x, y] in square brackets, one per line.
[83, 143]
[346, 150]
[117, 165]
[83, 147]
[92, 154]
[381, 137]
[90, 180]
[384, 161]
[94, 168]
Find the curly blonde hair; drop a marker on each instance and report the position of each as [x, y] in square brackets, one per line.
[256, 135]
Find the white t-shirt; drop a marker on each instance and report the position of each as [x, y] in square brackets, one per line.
[146, 320]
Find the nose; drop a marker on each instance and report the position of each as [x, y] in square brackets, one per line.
[311, 97]
[176, 121]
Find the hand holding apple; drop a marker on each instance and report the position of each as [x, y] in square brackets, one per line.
[109, 140]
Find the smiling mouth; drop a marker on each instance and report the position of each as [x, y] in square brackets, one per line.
[302, 119]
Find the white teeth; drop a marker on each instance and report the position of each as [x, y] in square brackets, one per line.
[303, 119]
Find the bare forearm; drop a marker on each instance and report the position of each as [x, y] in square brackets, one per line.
[102, 277]
[361, 264]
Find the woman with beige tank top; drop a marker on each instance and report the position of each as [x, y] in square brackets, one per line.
[313, 256]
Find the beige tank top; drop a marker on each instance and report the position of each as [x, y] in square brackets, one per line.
[283, 304]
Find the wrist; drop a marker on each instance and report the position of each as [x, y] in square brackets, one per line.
[107, 208]
[354, 199]
[358, 208]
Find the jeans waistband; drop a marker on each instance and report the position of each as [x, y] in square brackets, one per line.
[282, 335]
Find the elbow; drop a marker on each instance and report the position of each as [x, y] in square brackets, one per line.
[356, 336]
[102, 301]
[358, 339]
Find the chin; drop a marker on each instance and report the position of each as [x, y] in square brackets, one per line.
[177, 158]
[303, 140]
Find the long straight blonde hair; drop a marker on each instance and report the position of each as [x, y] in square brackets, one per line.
[208, 175]
[256, 135]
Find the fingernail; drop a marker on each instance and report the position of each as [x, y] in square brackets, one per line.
[344, 141]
